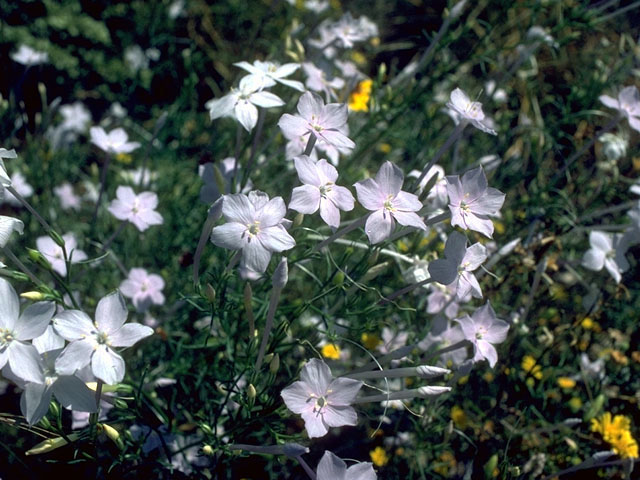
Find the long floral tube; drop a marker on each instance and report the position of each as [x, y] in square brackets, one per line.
[422, 371]
[422, 392]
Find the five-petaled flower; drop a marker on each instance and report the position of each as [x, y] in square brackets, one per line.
[255, 226]
[607, 251]
[137, 209]
[266, 74]
[384, 197]
[471, 201]
[320, 191]
[322, 401]
[628, 104]
[469, 111]
[484, 330]
[94, 342]
[143, 288]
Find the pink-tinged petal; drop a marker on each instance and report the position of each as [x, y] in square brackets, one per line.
[601, 240]
[361, 471]
[276, 239]
[331, 467]
[389, 178]
[293, 126]
[305, 199]
[77, 355]
[237, 208]
[310, 104]
[272, 212]
[296, 397]
[487, 351]
[342, 198]
[443, 271]
[407, 202]
[335, 115]
[266, 100]
[314, 424]
[247, 114]
[111, 313]
[119, 210]
[629, 96]
[327, 171]
[594, 259]
[336, 138]
[609, 101]
[480, 224]
[369, 194]
[409, 219]
[454, 190]
[9, 305]
[24, 361]
[467, 282]
[34, 402]
[329, 213]
[34, 320]
[129, 288]
[468, 327]
[126, 195]
[497, 333]
[343, 391]
[129, 334]
[634, 123]
[379, 226]
[489, 203]
[474, 184]
[107, 365]
[230, 235]
[255, 257]
[73, 325]
[475, 256]
[337, 416]
[73, 394]
[148, 200]
[307, 171]
[317, 375]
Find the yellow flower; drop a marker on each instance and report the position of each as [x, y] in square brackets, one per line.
[379, 457]
[359, 98]
[124, 158]
[384, 147]
[616, 431]
[370, 340]
[459, 417]
[331, 350]
[587, 323]
[575, 404]
[446, 464]
[566, 382]
[529, 365]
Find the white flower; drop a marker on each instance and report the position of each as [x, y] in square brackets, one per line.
[117, 141]
[143, 288]
[20, 184]
[15, 330]
[54, 254]
[29, 57]
[607, 251]
[8, 225]
[483, 329]
[68, 199]
[627, 103]
[93, 342]
[266, 74]
[334, 468]
[137, 209]
[5, 180]
[469, 111]
[241, 103]
[75, 117]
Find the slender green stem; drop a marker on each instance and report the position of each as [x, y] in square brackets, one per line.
[103, 186]
[21, 266]
[254, 146]
[404, 290]
[340, 233]
[115, 234]
[28, 206]
[273, 305]
[237, 158]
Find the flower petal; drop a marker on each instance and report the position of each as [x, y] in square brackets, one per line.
[129, 334]
[73, 325]
[379, 226]
[107, 365]
[305, 199]
[111, 313]
[73, 394]
[9, 305]
[25, 362]
[34, 320]
[77, 355]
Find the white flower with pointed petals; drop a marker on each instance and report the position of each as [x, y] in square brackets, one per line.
[627, 103]
[332, 467]
[607, 251]
[266, 74]
[255, 226]
[388, 202]
[241, 103]
[54, 254]
[322, 401]
[5, 179]
[320, 191]
[469, 111]
[484, 330]
[29, 57]
[137, 209]
[93, 342]
[116, 141]
[16, 329]
[8, 225]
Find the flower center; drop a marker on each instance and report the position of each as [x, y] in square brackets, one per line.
[326, 188]
[102, 338]
[6, 337]
[253, 228]
[388, 205]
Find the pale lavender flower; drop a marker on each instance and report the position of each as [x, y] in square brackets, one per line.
[115, 142]
[443, 297]
[54, 254]
[255, 226]
[93, 343]
[67, 197]
[137, 209]
[437, 196]
[320, 191]
[318, 80]
[20, 184]
[331, 467]
[29, 57]
[607, 251]
[143, 288]
[469, 111]
[471, 201]
[444, 335]
[322, 401]
[266, 74]
[16, 330]
[385, 198]
[242, 103]
[316, 6]
[484, 330]
[458, 264]
[8, 225]
[325, 122]
[628, 104]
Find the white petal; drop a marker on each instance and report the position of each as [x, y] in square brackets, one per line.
[34, 403]
[111, 313]
[305, 199]
[73, 394]
[247, 114]
[8, 225]
[379, 226]
[266, 100]
[73, 325]
[129, 334]
[107, 365]
[76, 356]
[331, 467]
[229, 235]
[34, 320]
[25, 362]
[9, 305]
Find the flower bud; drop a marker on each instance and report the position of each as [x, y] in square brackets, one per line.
[219, 178]
[51, 444]
[206, 429]
[251, 391]
[112, 434]
[38, 258]
[208, 450]
[298, 219]
[35, 296]
[281, 275]
[274, 364]
[210, 293]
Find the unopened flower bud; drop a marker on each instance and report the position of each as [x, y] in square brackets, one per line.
[208, 450]
[50, 444]
[281, 275]
[206, 429]
[38, 258]
[35, 296]
[210, 293]
[298, 219]
[373, 258]
[274, 364]
[374, 271]
[251, 391]
[219, 178]
[56, 238]
[112, 434]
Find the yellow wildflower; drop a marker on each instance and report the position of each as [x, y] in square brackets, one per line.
[459, 417]
[617, 432]
[331, 350]
[587, 323]
[124, 158]
[529, 365]
[379, 457]
[359, 98]
[566, 382]
[384, 147]
[370, 340]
